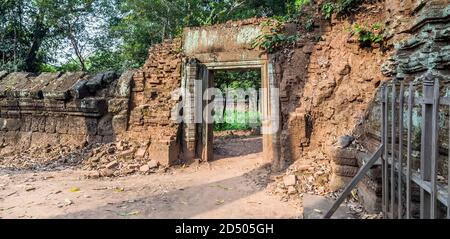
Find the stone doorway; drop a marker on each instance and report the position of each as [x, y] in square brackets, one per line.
[199, 137]
[237, 114]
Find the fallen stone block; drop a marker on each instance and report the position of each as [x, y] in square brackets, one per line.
[127, 154]
[144, 169]
[289, 180]
[113, 164]
[153, 164]
[106, 172]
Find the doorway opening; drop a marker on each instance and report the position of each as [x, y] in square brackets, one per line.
[237, 121]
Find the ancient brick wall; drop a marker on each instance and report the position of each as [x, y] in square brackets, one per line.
[152, 102]
[423, 51]
[327, 87]
[61, 109]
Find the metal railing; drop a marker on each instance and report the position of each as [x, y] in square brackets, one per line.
[398, 176]
[399, 179]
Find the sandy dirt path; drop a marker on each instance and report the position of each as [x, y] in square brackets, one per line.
[230, 187]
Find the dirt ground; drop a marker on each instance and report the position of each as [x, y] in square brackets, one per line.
[232, 186]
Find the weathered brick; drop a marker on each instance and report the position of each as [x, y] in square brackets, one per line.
[105, 127]
[120, 123]
[50, 125]
[116, 106]
[10, 124]
[39, 139]
[38, 124]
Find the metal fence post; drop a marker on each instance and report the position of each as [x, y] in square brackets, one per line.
[427, 144]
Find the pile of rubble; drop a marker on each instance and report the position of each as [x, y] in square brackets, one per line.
[42, 158]
[309, 176]
[99, 160]
[119, 159]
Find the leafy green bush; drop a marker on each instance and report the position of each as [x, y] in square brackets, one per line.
[275, 38]
[327, 10]
[299, 4]
[367, 36]
[345, 6]
[341, 7]
[241, 120]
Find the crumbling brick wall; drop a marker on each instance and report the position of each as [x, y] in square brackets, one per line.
[424, 50]
[327, 94]
[61, 109]
[152, 103]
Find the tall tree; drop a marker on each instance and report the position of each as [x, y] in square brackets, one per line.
[28, 25]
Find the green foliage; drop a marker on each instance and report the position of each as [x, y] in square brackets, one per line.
[149, 22]
[346, 6]
[341, 7]
[328, 10]
[299, 4]
[41, 35]
[309, 25]
[248, 79]
[367, 36]
[48, 68]
[275, 38]
[241, 120]
[31, 32]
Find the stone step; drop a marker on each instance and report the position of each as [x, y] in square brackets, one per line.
[315, 207]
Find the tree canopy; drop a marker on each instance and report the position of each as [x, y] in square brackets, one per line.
[99, 35]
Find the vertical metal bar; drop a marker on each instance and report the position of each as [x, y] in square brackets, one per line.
[434, 150]
[393, 141]
[400, 151]
[383, 142]
[386, 153]
[426, 144]
[409, 149]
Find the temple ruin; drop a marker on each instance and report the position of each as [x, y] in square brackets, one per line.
[329, 87]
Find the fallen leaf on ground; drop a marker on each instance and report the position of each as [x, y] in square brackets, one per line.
[74, 190]
[133, 213]
[68, 202]
[220, 202]
[355, 194]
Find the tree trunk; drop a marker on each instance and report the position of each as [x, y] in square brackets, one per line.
[39, 33]
[74, 42]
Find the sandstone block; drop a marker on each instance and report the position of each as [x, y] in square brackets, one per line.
[120, 123]
[144, 169]
[38, 124]
[40, 139]
[123, 88]
[10, 124]
[289, 180]
[140, 153]
[116, 106]
[113, 164]
[105, 127]
[153, 164]
[50, 125]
